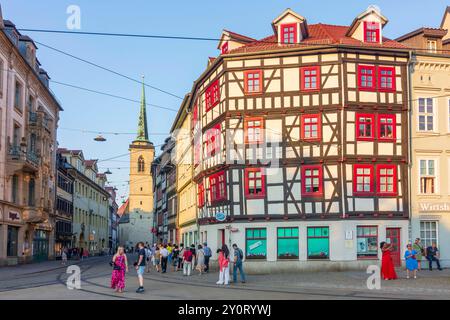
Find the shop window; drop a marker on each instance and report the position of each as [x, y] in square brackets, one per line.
[287, 243]
[429, 232]
[367, 241]
[318, 243]
[256, 243]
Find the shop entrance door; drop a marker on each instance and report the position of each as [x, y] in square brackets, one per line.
[393, 234]
[40, 246]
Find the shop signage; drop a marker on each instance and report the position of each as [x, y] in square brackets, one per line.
[220, 216]
[434, 207]
[14, 216]
[255, 245]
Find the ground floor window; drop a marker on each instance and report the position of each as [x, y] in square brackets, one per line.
[318, 243]
[428, 232]
[256, 243]
[367, 241]
[13, 236]
[287, 243]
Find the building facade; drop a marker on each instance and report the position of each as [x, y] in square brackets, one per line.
[136, 221]
[187, 227]
[63, 206]
[113, 220]
[300, 144]
[90, 203]
[430, 135]
[29, 115]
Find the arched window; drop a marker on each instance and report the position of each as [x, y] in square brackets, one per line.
[141, 164]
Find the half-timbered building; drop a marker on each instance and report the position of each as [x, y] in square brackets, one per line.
[300, 144]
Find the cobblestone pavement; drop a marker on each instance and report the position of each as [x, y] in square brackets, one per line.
[47, 281]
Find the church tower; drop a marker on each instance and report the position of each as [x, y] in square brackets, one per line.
[139, 206]
[142, 153]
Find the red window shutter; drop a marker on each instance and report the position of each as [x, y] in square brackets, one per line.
[255, 183]
[212, 95]
[362, 179]
[310, 79]
[201, 195]
[225, 47]
[311, 127]
[312, 181]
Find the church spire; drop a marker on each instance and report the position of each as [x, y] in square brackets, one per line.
[142, 133]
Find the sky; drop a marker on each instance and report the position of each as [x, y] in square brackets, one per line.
[171, 65]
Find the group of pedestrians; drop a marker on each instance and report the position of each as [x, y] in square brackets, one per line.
[413, 259]
[163, 256]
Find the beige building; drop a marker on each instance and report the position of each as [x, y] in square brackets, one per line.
[187, 227]
[137, 213]
[29, 116]
[430, 135]
[90, 203]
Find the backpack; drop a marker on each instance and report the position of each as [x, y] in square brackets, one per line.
[189, 256]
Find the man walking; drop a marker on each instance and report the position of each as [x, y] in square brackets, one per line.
[164, 257]
[238, 257]
[433, 255]
[187, 262]
[208, 253]
[140, 267]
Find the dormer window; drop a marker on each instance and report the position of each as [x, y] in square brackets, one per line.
[432, 46]
[225, 48]
[288, 33]
[371, 31]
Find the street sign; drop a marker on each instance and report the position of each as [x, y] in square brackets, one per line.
[220, 216]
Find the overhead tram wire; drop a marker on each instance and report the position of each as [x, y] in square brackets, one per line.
[168, 37]
[111, 95]
[107, 69]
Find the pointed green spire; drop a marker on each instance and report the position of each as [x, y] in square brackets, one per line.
[142, 133]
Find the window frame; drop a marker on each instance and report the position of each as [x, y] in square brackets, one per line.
[367, 257]
[247, 193]
[317, 116]
[288, 237]
[212, 95]
[283, 28]
[427, 175]
[426, 114]
[303, 76]
[317, 237]
[422, 232]
[374, 78]
[217, 184]
[201, 195]
[246, 79]
[305, 193]
[247, 238]
[394, 126]
[355, 179]
[261, 129]
[377, 31]
[213, 147]
[393, 78]
[395, 180]
[224, 48]
[358, 122]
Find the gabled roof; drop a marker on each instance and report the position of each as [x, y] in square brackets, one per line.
[447, 11]
[357, 20]
[428, 32]
[233, 36]
[90, 163]
[285, 13]
[319, 34]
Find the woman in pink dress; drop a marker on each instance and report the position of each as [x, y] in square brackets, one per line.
[120, 266]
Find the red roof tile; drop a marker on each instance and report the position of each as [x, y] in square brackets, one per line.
[319, 34]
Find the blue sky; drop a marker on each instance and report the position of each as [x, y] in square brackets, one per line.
[169, 64]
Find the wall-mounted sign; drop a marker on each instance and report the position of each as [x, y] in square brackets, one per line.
[220, 216]
[434, 207]
[348, 235]
[14, 216]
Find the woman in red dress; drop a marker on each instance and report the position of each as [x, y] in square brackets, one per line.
[387, 266]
